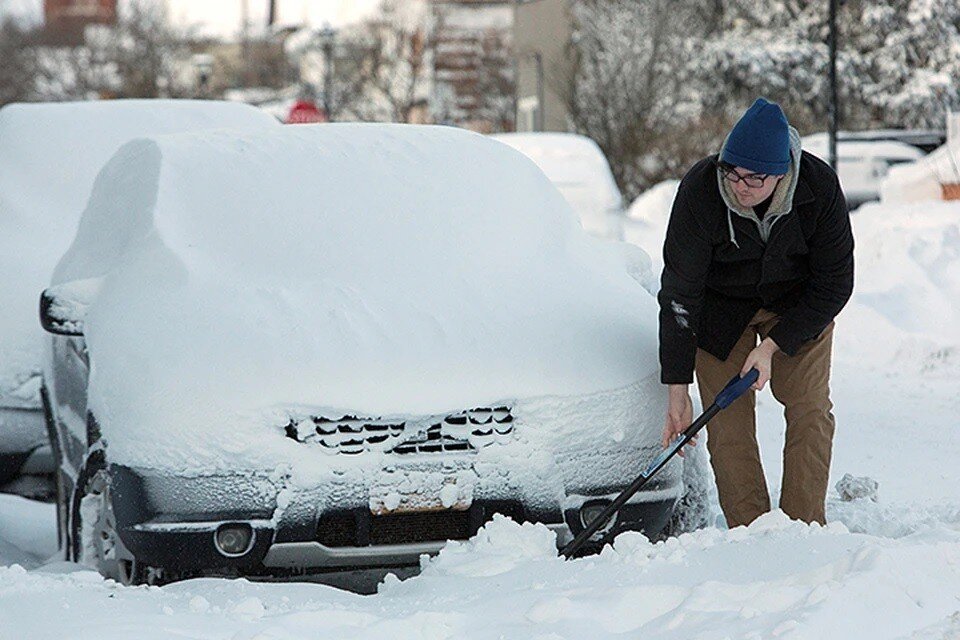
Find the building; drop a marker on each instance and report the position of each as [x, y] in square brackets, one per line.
[473, 74]
[64, 21]
[545, 64]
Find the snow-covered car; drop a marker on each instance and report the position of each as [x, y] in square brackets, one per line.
[323, 347]
[49, 157]
[862, 164]
[578, 168]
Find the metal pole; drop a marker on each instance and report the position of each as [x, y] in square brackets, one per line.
[327, 75]
[834, 104]
[541, 107]
[245, 41]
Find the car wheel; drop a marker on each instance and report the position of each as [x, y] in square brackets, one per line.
[692, 510]
[10, 464]
[93, 536]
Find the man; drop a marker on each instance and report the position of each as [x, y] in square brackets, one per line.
[758, 247]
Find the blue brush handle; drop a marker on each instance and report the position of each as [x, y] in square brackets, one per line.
[736, 388]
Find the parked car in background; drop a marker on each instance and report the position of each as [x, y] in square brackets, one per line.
[924, 139]
[320, 349]
[862, 164]
[49, 156]
[578, 168]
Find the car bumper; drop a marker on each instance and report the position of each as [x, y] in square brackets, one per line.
[173, 523]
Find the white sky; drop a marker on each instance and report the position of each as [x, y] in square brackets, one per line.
[222, 17]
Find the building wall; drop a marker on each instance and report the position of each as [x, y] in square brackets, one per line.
[542, 30]
[473, 68]
[65, 20]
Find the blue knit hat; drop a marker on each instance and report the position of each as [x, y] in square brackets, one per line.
[760, 141]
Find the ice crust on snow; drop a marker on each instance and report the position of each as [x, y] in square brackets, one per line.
[49, 157]
[341, 269]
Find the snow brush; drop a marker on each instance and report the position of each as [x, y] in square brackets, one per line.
[734, 389]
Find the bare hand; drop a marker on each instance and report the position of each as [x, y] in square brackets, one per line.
[760, 359]
[679, 415]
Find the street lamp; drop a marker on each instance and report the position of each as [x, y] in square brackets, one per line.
[326, 38]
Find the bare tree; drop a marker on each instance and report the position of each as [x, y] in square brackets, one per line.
[139, 57]
[396, 72]
[18, 63]
[632, 92]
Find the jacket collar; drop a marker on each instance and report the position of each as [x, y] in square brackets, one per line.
[803, 193]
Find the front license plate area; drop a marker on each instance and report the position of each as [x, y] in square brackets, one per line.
[408, 491]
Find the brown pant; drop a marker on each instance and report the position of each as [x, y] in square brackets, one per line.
[801, 384]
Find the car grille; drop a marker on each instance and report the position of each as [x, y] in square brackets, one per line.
[360, 528]
[430, 526]
[464, 432]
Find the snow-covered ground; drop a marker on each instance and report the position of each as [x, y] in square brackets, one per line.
[888, 568]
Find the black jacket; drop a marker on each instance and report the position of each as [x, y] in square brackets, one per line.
[710, 288]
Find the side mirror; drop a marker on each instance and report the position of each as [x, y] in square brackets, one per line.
[63, 307]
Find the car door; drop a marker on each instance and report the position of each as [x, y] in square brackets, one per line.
[70, 371]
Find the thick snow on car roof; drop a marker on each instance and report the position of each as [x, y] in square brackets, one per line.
[350, 268]
[49, 157]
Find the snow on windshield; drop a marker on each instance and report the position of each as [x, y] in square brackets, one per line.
[49, 157]
[354, 268]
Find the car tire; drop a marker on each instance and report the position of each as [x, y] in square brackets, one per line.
[93, 539]
[10, 465]
[693, 509]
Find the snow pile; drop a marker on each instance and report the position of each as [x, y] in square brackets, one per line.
[28, 533]
[500, 546]
[578, 168]
[775, 579]
[862, 165]
[914, 182]
[920, 181]
[853, 488]
[49, 157]
[646, 224]
[339, 269]
[905, 311]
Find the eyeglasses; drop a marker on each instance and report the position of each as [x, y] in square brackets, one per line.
[752, 180]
